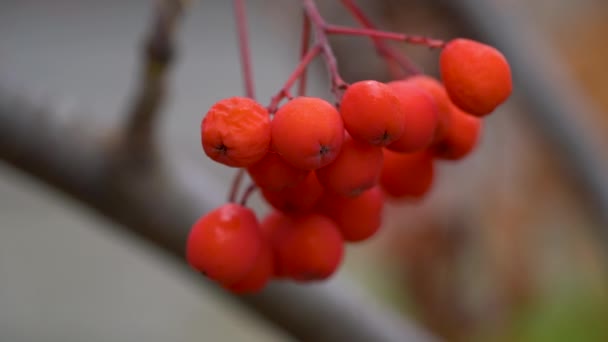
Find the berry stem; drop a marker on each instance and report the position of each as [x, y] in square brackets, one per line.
[303, 50]
[411, 39]
[298, 71]
[386, 51]
[318, 23]
[243, 37]
[250, 190]
[236, 184]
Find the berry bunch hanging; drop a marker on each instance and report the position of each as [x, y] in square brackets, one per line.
[326, 170]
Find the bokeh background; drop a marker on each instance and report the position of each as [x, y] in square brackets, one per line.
[507, 247]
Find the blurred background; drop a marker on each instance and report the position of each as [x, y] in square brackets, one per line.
[507, 247]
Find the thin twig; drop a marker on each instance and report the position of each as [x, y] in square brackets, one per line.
[248, 192]
[402, 37]
[384, 50]
[338, 85]
[236, 184]
[303, 51]
[240, 17]
[157, 57]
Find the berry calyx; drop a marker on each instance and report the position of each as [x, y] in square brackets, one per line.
[407, 175]
[236, 131]
[420, 114]
[225, 243]
[307, 132]
[477, 76]
[274, 174]
[372, 113]
[358, 218]
[356, 168]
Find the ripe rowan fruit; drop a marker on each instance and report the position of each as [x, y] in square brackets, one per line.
[307, 132]
[356, 168]
[461, 137]
[273, 227]
[225, 243]
[236, 131]
[420, 114]
[407, 175]
[301, 197]
[273, 173]
[260, 274]
[442, 101]
[358, 218]
[372, 113]
[312, 249]
[477, 76]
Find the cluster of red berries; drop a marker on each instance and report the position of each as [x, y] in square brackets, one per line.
[326, 171]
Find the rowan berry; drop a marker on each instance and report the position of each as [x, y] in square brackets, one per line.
[372, 113]
[477, 76]
[407, 175]
[273, 173]
[260, 274]
[358, 218]
[420, 116]
[461, 137]
[301, 197]
[225, 243]
[356, 168]
[236, 132]
[312, 249]
[442, 101]
[274, 226]
[307, 132]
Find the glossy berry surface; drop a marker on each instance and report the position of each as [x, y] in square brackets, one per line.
[273, 173]
[358, 218]
[236, 132]
[356, 168]
[259, 275]
[407, 175]
[307, 132]
[311, 249]
[225, 243]
[441, 99]
[477, 76]
[420, 114]
[296, 199]
[461, 138]
[372, 113]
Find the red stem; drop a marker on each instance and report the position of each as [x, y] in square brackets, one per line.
[303, 50]
[236, 184]
[243, 36]
[386, 51]
[250, 190]
[353, 31]
[298, 71]
[337, 83]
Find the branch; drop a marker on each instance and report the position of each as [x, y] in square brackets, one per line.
[240, 16]
[157, 56]
[155, 205]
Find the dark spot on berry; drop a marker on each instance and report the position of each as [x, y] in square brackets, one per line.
[221, 148]
[323, 150]
[385, 136]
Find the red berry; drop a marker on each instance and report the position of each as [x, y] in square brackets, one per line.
[442, 101]
[312, 249]
[225, 243]
[273, 173]
[300, 198]
[461, 138]
[420, 116]
[307, 132]
[476, 76]
[358, 218]
[407, 175]
[273, 228]
[372, 113]
[356, 169]
[259, 275]
[236, 132]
